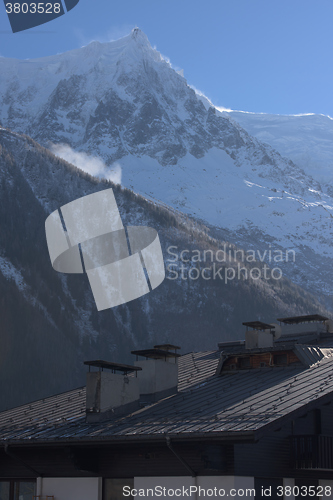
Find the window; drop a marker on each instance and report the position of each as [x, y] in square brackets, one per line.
[267, 487]
[280, 359]
[24, 490]
[215, 458]
[17, 489]
[4, 490]
[306, 483]
[317, 421]
[113, 488]
[244, 363]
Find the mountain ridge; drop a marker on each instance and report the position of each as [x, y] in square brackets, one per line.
[124, 103]
[306, 138]
[50, 323]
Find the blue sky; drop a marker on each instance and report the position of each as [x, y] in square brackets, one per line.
[253, 55]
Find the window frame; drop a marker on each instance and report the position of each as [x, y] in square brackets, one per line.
[124, 479]
[12, 482]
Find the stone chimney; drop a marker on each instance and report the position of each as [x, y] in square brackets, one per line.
[158, 377]
[110, 392]
[259, 336]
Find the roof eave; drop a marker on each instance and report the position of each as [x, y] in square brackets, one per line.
[248, 436]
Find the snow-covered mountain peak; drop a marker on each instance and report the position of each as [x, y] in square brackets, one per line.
[139, 37]
[121, 101]
[131, 49]
[136, 39]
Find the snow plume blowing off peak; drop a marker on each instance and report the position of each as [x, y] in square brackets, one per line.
[90, 164]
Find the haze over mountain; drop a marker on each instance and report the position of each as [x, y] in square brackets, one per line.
[306, 139]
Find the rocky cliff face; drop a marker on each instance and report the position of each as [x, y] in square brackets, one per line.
[119, 98]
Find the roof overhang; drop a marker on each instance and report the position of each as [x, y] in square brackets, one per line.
[258, 325]
[226, 436]
[295, 320]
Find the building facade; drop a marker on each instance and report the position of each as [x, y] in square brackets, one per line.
[250, 419]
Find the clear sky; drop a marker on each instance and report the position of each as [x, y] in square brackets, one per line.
[271, 56]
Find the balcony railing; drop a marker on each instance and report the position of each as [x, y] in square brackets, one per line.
[312, 452]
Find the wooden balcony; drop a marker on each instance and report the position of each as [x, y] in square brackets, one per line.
[312, 452]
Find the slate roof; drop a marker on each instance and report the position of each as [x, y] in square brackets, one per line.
[232, 405]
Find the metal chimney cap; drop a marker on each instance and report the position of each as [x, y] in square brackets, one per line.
[258, 325]
[156, 353]
[166, 346]
[99, 363]
[295, 320]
